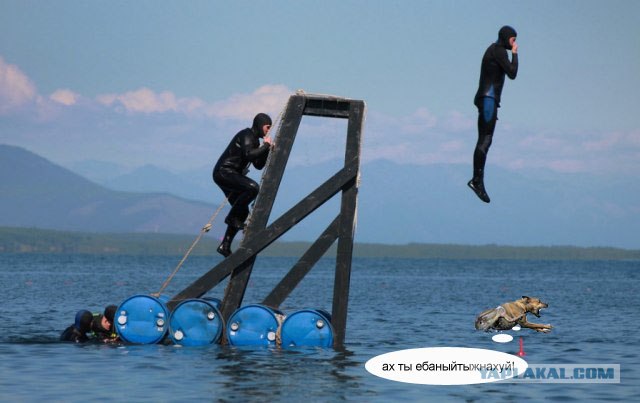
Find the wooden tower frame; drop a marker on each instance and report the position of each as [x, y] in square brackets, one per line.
[258, 236]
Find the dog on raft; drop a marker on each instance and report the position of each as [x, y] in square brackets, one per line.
[507, 315]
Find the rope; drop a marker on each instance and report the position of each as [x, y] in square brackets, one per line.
[204, 230]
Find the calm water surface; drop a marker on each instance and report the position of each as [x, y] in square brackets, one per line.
[394, 304]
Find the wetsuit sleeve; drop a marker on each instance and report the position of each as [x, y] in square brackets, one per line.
[261, 160]
[509, 67]
[256, 155]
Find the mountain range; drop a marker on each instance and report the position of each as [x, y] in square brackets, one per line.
[38, 193]
[398, 203]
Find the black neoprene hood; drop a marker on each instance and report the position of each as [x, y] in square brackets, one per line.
[259, 121]
[504, 34]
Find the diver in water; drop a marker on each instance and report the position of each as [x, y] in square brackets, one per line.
[495, 65]
[77, 332]
[103, 327]
[230, 172]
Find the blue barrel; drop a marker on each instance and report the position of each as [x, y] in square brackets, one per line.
[215, 301]
[195, 322]
[307, 327]
[253, 325]
[142, 319]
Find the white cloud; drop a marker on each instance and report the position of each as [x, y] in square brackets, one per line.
[419, 138]
[389, 152]
[614, 140]
[601, 152]
[424, 138]
[268, 98]
[567, 165]
[456, 121]
[420, 120]
[64, 97]
[142, 100]
[15, 87]
[106, 99]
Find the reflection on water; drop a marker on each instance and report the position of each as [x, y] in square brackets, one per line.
[267, 373]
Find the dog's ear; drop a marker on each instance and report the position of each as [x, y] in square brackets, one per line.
[525, 297]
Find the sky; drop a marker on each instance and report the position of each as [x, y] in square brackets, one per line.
[168, 83]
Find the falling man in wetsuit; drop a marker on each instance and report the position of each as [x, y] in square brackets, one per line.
[495, 65]
[230, 172]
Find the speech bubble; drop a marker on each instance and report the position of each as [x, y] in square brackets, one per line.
[446, 366]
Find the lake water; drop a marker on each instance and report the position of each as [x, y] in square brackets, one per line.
[394, 304]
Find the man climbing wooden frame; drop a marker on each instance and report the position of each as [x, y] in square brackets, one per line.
[258, 236]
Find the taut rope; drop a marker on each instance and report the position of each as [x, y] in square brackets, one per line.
[203, 231]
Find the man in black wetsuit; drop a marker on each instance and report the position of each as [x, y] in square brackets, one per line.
[230, 174]
[102, 326]
[495, 65]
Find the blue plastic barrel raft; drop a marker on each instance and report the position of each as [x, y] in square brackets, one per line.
[142, 319]
[254, 325]
[195, 322]
[307, 327]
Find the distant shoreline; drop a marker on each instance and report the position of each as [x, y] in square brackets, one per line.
[43, 241]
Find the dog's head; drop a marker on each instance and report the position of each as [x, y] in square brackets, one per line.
[534, 305]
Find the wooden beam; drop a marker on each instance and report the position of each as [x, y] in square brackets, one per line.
[234, 293]
[348, 207]
[265, 237]
[291, 280]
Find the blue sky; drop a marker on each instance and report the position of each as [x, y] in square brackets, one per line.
[168, 82]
